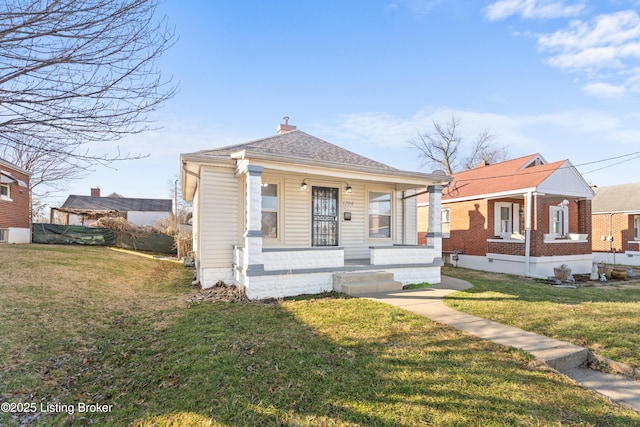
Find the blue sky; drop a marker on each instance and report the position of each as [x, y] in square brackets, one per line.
[561, 78]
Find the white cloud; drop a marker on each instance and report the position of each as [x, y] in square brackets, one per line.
[604, 90]
[620, 29]
[604, 43]
[583, 136]
[533, 9]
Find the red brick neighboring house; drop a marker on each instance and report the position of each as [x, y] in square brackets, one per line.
[523, 216]
[616, 224]
[15, 204]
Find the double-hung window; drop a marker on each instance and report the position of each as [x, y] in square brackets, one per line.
[445, 222]
[379, 215]
[636, 227]
[4, 192]
[270, 210]
[504, 214]
[558, 220]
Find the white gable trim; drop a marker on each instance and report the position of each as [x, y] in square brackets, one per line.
[566, 181]
[538, 158]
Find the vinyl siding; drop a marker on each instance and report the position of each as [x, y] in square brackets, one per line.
[296, 213]
[219, 209]
[355, 232]
[411, 220]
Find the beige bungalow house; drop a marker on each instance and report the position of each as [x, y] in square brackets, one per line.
[292, 214]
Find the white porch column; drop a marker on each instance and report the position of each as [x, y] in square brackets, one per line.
[253, 260]
[434, 235]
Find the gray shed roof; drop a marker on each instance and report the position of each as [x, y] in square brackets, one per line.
[120, 204]
[617, 198]
[297, 145]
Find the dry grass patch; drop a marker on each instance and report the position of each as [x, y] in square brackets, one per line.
[51, 288]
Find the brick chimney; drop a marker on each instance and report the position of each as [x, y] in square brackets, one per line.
[482, 164]
[286, 127]
[95, 192]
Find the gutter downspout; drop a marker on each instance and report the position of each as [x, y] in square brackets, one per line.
[196, 264]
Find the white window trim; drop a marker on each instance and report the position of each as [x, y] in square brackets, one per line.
[446, 234]
[514, 212]
[277, 210]
[392, 215]
[636, 227]
[8, 196]
[564, 211]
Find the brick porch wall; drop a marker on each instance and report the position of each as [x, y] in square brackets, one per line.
[16, 213]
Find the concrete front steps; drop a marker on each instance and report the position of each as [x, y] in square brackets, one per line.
[359, 283]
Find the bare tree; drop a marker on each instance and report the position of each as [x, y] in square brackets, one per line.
[445, 148]
[76, 76]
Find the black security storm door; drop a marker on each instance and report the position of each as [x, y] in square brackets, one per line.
[324, 217]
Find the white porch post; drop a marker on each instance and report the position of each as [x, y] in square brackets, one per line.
[434, 235]
[253, 259]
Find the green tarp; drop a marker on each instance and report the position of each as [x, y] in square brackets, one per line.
[72, 235]
[79, 235]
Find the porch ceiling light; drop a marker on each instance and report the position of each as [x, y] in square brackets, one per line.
[303, 186]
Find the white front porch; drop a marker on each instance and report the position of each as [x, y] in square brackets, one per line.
[296, 271]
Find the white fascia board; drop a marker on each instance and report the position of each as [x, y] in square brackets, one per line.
[402, 179]
[522, 192]
[190, 171]
[630, 212]
[14, 167]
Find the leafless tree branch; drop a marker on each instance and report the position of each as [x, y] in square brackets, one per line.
[445, 148]
[76, 76]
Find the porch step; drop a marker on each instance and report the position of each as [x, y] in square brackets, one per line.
[359, 283]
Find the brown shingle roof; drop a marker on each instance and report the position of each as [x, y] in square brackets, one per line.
[298, 145]
[120, 204]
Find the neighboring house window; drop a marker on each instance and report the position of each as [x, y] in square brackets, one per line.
[445, 222]
[270, 210]
[4, 192]
[636, 227]
[558, 220]
[379, 214]
[503, 214]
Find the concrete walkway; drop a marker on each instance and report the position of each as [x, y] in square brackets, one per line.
[564, 357]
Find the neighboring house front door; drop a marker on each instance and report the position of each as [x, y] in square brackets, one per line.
[324, 217]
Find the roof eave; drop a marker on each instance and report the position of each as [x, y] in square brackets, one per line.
[415, 178]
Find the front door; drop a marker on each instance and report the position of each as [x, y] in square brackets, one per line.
[324, 217]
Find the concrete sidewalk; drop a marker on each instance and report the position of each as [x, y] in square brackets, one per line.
[564, 357]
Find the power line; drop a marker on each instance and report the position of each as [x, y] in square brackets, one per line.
[523, 172]
[615, 164]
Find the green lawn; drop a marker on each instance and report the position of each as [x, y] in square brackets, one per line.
[604, 319]
[95, 326]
